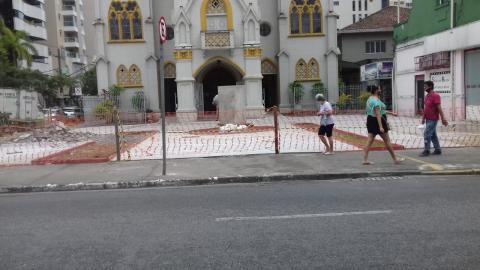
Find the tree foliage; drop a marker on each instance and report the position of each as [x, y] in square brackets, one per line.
[88, 81]
[15, 45]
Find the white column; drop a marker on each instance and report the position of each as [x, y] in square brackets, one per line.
[102, 75]
[284, 79]
[185, 90]
[332, 57]
[253, 81]
[151, 85]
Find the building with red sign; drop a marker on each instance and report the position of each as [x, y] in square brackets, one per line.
[439, 43]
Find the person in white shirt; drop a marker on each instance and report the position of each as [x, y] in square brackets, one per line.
[327, 121]
[215, 102]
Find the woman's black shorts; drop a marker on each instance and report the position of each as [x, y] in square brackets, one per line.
[328, 130]
[372, 125]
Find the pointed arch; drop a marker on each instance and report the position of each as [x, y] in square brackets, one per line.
[135, 76]
[125, 21]
[301, 70]
[306, 17]
[216, 59]
[313, 69]
[170, 70]
[251, 30]
[216, 7]
[122, 76]
[268, 66]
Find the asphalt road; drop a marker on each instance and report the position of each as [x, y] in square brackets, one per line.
[407, 223]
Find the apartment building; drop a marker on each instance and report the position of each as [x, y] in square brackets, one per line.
[352, 11]
[29, 16]
[66, 35]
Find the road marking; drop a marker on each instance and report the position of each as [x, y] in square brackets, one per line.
[433, 166]
[305, 216]
[383, 178]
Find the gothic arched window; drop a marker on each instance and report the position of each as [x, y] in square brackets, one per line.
[114, 29]
[301, 71]
[294, 21]
[125, 21]
[307, 72]
[137, 26]
[216, 15]
[122, 76]
[313, 69]
[135, 76]
[131, 77]
[305, 17]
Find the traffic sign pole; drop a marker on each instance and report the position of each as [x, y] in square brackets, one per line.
[163, 38]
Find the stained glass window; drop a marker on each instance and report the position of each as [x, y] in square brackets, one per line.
[305, 17]
[125, 21]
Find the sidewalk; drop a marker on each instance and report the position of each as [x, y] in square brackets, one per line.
[238, 169]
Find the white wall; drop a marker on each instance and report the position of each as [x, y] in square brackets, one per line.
[456, 41]
[21, 104]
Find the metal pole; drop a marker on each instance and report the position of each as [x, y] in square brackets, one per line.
[398, 13]
[117, 135]
[275, 121]
[162, 110]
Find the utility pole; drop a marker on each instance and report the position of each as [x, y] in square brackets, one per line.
[59, 57]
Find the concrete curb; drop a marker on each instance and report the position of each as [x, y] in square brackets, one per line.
[224, 180]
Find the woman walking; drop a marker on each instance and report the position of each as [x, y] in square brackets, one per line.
[377, 125]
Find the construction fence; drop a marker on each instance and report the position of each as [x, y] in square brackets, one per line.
[108, 135]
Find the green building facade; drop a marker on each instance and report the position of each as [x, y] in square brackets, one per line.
[429, 17]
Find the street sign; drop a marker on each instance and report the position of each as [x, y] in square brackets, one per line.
[78, 91]
[162, 30]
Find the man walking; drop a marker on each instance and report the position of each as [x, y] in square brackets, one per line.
[431, 113]
[326, 123]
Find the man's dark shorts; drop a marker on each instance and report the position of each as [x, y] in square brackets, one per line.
[328, 130]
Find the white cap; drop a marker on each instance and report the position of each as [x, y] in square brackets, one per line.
[319, 96]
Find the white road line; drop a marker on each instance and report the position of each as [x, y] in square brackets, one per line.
[305, 216]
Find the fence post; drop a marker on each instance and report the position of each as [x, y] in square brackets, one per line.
[117, 135]
[275, 122]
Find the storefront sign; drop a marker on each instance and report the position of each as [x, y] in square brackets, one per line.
[376, 71]
[442, 81]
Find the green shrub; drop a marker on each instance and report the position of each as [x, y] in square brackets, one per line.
[138, 101]
[363, 98]
[343, 100]
[297, 90]
[104, 109]
[318, 88]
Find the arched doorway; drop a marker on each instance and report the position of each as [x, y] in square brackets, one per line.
[269, 83]
[216, 72]
[170, 88]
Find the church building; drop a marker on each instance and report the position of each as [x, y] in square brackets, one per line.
[262, 44]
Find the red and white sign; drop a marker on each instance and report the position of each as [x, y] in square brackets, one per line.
[162, 30]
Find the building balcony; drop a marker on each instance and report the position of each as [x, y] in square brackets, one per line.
[217, 40]
[42, 50]
[70, 27]
[73, 57]
[43, 67]
[38, 31]
[69, 11]
[71, 42]
[32, 11]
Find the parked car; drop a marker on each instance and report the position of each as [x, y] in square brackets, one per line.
[53, 113]
[73, 112]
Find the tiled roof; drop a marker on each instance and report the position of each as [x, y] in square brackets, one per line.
[381, 21]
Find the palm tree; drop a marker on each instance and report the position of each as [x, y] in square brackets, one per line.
[14, 44]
